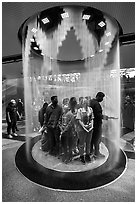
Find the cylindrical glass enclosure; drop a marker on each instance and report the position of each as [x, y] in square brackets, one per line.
[72, 51]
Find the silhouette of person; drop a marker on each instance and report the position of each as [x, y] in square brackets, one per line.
[97, 124]
[41, 113]
[11, 118]
[52, 122]
[128, 115]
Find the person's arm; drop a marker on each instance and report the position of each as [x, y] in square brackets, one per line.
[18, 114]
[78, 117]
[60, 117]
[91, 119]
[39, 116]
[8, 115]
[46, 117]
[105, 117]
[44, 127]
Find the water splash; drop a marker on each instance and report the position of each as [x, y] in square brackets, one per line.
[46, 76]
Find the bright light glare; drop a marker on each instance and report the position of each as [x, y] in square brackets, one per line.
[45, 20]
[86, 17]
[36, 48]
[65, 15]
[101, 24]
[100, 51]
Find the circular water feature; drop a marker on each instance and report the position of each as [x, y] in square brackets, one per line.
[91, 176]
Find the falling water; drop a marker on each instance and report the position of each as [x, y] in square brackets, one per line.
[98, 70]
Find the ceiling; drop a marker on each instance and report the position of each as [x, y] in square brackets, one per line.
[15, 13]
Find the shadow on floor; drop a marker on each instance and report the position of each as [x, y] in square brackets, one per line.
[19, 138]
[130, 155]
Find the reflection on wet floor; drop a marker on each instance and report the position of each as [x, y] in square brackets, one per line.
[127, 142]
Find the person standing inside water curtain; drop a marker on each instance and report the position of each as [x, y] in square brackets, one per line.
[65, 105]
[97, 124]
[85, 117]
[52, 122]
[41, 113]
[69, 135]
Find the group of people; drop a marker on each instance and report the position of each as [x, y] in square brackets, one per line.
[14, 111]
[73, 128]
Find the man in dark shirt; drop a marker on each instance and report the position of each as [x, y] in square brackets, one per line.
[52, 121]
[97, 125]
[11, 118]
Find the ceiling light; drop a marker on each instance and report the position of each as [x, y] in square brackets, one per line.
[100, 51]
[36, 48]
[45, 20]
[86, 17]
[108, 34]
[92, 55]
[65, 15]
[34, 30]
[101, 24]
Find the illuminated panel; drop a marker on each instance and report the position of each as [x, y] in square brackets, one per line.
[45, 20]
[101, 24]
[86, 17]
[65, 15]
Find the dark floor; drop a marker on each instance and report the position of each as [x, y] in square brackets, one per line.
[17, 188]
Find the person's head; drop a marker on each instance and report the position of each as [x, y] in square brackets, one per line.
[80, 99]
[45, 105]
[128, 99]
[100, 96]
[65, 101]
[54, 100]
[88, 98]
[13, 102]
[72, 102]
[85, 102]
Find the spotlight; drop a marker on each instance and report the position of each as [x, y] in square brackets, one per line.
[34, 30]
[65, 15]
[45, 20]
[101, 24]
[86, 17]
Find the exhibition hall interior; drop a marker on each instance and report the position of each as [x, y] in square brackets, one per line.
[68, 101]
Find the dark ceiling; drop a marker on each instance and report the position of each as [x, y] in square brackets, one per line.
[15, 13]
